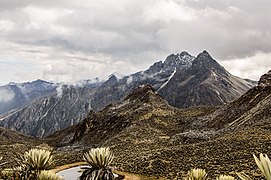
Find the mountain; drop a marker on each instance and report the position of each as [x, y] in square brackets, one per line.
[250, 110]
[143, 114]
[157, 75]
[204, 83]
[16, 95]
[150, 137]
[182, 79]
[67, 106]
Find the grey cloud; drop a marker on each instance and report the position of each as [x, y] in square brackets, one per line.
[123, 32]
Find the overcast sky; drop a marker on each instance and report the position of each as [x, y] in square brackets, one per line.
[68, 40]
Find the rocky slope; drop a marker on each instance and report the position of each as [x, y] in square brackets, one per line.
[150, 137]
[15, 95]
[250, 110]
[204, 83]
[183, 80]
[157, 75]
[64, 108]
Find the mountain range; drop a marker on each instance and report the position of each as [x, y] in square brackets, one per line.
[182, 80]
[149, 136]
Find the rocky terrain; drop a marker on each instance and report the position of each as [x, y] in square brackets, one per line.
[16, 95]
[46, 115]
[150, 137]
[182, 79]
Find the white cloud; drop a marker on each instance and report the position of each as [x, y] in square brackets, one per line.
[6, 95]
[6, 25]
[167, 11]
[249, 67]
[67, 40]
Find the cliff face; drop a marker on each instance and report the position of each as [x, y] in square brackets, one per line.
[52, 113]
[250, 110]
[15, 95]
[204, 83]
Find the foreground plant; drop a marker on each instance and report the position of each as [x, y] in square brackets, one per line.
[32, 162]
[264, 165]
[224, 177]
[48, 175]
[98, 160]
[243, 176]
[196, 174]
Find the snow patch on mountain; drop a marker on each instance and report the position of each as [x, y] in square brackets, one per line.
[163, 85]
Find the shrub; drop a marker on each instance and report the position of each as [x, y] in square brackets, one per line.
[98, 160]
[32, 162]
[264, 164]
[48, 175]
[197, 174]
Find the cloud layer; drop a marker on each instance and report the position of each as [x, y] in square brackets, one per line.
[67, 40]
[6, 95]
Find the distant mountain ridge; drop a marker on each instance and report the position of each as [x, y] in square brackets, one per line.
[182, 79]
[22, 93]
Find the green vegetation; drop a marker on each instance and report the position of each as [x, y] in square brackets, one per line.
[32, 165]
[98, 160]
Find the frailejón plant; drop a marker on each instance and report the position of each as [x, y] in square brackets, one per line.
[98, 160]
[196, 174]
[243, 176]
[32, 162]
[225, 177]
[48, 175]
[264, 164]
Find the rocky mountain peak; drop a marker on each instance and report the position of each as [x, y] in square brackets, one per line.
[180, 60]
[143, 93]
[111, 81]
[265, 79]
[204, 61]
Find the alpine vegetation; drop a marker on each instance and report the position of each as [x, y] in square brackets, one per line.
[33, 162]
[98, 160]
[225, 177]
[243, 176]
[48, 175]
[197, 174]
[1, 163]
[264, 165]
[38, 159]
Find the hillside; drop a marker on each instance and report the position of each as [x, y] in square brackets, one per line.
[150, 137]
[182, 79]
[44, 116]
